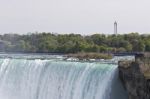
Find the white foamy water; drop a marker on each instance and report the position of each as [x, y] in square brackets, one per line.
[51, 79]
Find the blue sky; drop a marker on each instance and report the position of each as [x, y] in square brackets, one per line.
[74, 16]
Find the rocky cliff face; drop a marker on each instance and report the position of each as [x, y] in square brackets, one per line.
[135, 76]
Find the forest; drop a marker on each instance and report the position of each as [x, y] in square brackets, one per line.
[73, 43]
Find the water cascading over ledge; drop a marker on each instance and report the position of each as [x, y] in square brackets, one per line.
[51, 79]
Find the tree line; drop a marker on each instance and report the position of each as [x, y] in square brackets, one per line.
[73, 43]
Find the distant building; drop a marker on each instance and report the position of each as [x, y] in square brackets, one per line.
[115, 28]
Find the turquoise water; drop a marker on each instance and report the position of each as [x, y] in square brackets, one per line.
[22, 78]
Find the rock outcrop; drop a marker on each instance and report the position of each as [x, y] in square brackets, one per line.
[135, 76]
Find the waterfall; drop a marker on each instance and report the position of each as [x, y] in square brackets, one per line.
[52, 79]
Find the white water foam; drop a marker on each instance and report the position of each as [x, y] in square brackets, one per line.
[47, 79]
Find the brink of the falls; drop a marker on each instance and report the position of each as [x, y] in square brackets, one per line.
[57, 79]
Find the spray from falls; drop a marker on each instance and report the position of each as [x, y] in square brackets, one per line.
[49, 79]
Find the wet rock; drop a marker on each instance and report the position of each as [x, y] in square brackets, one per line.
[135, 76]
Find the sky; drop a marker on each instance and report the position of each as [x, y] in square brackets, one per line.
[74, 16]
